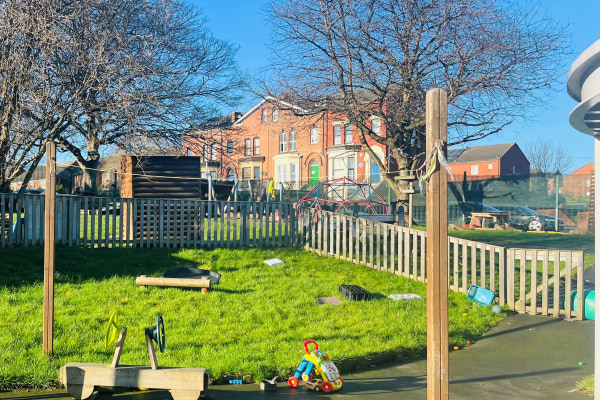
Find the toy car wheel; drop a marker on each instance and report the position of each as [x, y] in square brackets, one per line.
[327, 387]
[293, 381]
[317, 388]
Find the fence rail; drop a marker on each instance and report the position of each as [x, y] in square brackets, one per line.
[540, 281]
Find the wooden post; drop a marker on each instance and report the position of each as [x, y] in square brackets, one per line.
[437, 249]
[49, 248]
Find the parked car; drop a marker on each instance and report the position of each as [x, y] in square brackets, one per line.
[527, 219]
[459, 213]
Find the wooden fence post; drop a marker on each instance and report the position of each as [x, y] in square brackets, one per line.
[47, 342]
[437, 247]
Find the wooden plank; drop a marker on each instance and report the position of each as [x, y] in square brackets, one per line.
[113, 216]
[545, 282]
[437, 251]
[568, 288]
[370, 243]
[522, 281]
[473, 247]
[533, 285]
[493, 250]
[144, 280]
[119, 348]
[222, 241]
[393, 237]
[510, 278]
[100, 237]
[159, 221]
[75, 376]
[580, 294]
[49, 250]
[456, 266]
[483, 265]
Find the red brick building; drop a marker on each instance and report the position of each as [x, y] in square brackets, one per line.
[281, 141]
[487, 162]
[579, 183]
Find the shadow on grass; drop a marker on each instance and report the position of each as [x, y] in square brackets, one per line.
[25, 266]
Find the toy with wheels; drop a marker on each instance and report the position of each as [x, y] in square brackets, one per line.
[80, 379]
[328, 375]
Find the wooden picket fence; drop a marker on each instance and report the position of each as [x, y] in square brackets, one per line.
[145, 223]
[538, 281]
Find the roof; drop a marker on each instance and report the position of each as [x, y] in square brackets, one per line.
[585, 170]
[479, 153]
[40, 171]
[270, 99]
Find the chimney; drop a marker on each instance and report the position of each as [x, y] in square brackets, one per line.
[234, 116]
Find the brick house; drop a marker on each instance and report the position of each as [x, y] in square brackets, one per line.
[281, 141]
[579, 183]
[487, 162]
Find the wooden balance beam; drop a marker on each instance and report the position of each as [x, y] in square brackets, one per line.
[183, 383]
[80, 379]
[203, 283]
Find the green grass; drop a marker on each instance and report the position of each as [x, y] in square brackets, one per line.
[251, 326]
[586, 385]
[538, 240]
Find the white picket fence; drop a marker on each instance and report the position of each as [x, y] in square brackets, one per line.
[539, 281]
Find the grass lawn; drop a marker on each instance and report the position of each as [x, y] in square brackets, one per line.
[251, 326]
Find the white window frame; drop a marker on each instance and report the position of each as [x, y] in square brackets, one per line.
[256, 146]
[263, 116]
[293, 141]
[248, 147]
[314, 135]
[283, 142]
[275, 114]
[474, 169]
[376, 125]
[351, 163]
[348, 133]
[282, 173]
[337, 134]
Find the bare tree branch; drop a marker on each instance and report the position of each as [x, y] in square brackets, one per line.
[380, 57]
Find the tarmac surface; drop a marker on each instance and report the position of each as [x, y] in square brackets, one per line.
[523, 357]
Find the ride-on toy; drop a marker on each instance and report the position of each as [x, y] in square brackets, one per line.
[329, 377]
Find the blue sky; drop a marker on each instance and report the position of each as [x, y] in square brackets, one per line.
[242, 22]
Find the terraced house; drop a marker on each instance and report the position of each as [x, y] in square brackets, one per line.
[284, 142]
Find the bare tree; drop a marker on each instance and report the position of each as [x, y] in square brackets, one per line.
[24, 28]
[130, 74]
[380, 57]
[547, 157]
[138, 74]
